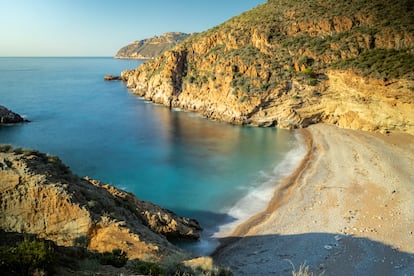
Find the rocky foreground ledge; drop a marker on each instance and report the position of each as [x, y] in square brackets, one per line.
[40, 195]
[9, 117]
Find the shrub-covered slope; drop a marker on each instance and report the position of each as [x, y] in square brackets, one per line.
[39, 195]
[293, 63]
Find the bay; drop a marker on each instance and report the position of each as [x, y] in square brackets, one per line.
[193, 166]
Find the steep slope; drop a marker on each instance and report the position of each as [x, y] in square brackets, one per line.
[151, 47]
[294, 63]
[39, 195]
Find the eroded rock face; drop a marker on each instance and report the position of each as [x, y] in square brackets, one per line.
[9, 117]
[39, 195]
[277, 66]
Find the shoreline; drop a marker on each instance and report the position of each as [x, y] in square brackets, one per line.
[281, 192]
[286, 185]
[259, 195]
[352, 194]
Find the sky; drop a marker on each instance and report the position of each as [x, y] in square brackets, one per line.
[102, 27]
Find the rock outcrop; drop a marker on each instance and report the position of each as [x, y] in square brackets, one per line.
[294, 63]
[151, 47]
[112, 78]
[9, 117]
[39, 195]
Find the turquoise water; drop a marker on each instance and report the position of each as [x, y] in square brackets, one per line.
[178, 160]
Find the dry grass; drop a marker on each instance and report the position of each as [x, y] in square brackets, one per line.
[303, 270]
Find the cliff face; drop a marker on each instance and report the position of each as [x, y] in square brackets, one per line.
[39, 195]
[294, 63]
[151, 47]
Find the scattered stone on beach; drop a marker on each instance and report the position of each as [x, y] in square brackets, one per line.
[112, 78]
[9, 117]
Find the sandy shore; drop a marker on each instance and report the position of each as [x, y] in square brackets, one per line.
[347, 210]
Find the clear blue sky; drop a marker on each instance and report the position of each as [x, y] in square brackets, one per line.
[101, 27]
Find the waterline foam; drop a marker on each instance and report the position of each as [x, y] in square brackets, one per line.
[259, 197]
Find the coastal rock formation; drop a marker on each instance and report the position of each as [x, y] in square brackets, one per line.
[151, 47]
[9, 117]
[294, 63]
[112, 78]
[39, 195]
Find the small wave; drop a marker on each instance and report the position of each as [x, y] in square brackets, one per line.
[259, 197]
[18, 70]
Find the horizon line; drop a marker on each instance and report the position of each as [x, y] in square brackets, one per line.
[59, 56]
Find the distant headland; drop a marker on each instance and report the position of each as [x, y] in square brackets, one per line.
[151, 47]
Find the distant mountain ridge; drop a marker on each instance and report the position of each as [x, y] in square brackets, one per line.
[151, 47]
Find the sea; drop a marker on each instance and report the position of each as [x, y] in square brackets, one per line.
[217, 173]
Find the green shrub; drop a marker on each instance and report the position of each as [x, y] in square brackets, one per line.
[81, 241]
[5, 148]
[116, 258]
[305, 60]
[18, 150]
[380, 63]
[242, 99]
[147, 268]
[313, 81]
[28, 256]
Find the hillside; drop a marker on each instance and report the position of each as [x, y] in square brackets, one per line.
[41, 196]
[294, 63]
[151, 47]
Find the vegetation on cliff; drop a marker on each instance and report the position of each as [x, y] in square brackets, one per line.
[151, 47]
[40, 196]
[275, 65]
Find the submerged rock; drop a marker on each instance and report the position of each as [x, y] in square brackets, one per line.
[9, 117]
[41, 196]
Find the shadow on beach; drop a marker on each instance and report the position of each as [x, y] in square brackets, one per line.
[326, 253]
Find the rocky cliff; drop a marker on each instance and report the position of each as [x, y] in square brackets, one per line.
[151, 47]
[294, 63]
[39, 195]
[9, 117]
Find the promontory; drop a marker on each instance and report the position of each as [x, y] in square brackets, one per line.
[40, 196]
[294, 63]
[151, 47]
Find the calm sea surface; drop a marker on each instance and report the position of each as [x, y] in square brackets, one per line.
[214, 172]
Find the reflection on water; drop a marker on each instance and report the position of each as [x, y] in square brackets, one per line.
[176, 159]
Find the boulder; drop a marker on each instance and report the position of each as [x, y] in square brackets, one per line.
[9, 117]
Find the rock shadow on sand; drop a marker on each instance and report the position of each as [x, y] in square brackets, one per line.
[323, 253]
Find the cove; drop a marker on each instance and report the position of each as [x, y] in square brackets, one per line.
[179, 160]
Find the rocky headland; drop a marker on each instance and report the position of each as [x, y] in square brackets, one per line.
[292, 64]
[347, 208]
[39, 195]
[151, 47]
[344, 71]
[9, 117]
